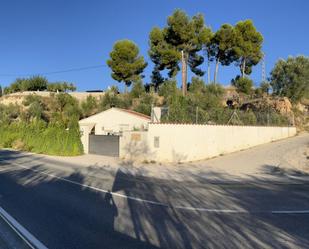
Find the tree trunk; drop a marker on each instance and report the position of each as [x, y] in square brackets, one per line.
[216, 71]
[208, 71]
[184, 72]
[243, 68]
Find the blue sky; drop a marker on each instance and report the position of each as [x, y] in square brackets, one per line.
[38, 36]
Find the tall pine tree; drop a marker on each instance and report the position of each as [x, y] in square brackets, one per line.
[179, 41]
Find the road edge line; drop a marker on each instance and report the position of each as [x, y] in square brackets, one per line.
[22, 232]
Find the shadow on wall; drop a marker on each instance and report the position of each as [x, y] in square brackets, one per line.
[138, 150]
[178, 157]
[80, 217]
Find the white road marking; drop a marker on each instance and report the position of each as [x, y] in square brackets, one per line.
[87, 186]
[22, 232]
[189, 208]
[299, 177]
[290, 212]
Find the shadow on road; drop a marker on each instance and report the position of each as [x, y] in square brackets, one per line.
[277, 170]
[174, 227]
[60, 214]
[67, 214]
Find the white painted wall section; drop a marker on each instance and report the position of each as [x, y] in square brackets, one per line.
[181, 143]
[85, 130]
[115, 120]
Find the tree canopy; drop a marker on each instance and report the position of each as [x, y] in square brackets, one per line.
[126, 63]
[179, 41]
[222, 47]
[290, 78]
[248, 47]
[243, 84]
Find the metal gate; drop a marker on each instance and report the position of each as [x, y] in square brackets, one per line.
[107, 145]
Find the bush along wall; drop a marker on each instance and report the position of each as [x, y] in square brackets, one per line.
[39, 137]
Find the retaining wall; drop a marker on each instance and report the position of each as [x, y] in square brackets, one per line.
[181, 142]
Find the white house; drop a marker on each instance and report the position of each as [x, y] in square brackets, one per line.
[113, 121]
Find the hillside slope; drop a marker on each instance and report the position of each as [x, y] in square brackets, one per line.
[19, 97]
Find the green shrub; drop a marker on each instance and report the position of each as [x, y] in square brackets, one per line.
[111, 99]
[146, 101]
[168, 89]
[248, 118]
[37, 137]
[197, 85]
[243, 84]
[89, 106]
[178, 110]
[137, 89]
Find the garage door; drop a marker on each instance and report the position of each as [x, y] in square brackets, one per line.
[106, 145]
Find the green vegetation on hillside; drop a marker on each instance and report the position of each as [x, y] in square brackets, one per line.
[42, 125]
[243, 84]
[38, 83]
[204, 103]
[290, 78]
[36, 136]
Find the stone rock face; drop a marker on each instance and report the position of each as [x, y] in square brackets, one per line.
[282, 105]
[231, 97]
[302, 107]
[302, 115]
[230, 93]
[234, 99]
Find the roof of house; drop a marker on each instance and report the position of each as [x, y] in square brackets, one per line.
[134, 113]
[140, 115]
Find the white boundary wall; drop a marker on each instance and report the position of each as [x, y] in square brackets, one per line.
[181, 142]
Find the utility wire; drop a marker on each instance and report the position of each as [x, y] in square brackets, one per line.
[57, 72]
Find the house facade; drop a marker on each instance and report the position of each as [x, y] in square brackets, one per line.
[109, 125]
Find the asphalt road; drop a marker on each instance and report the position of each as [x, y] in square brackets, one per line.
[9, 239]
[66, 206]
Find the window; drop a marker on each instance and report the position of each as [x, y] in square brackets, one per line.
[156, 142]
